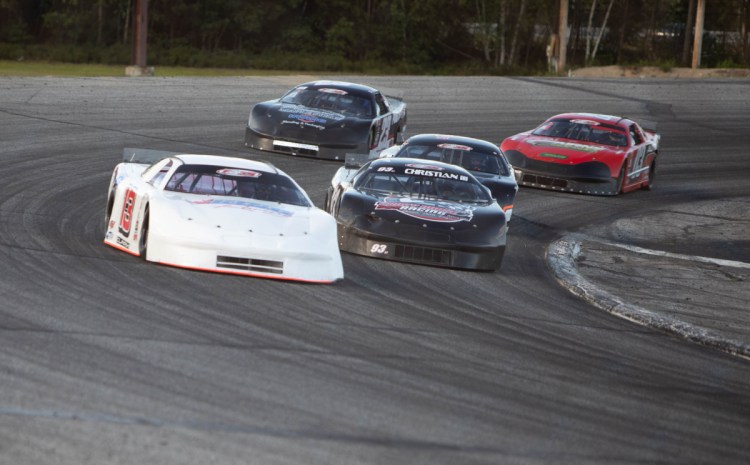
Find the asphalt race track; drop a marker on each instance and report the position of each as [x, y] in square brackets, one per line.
[105, 359]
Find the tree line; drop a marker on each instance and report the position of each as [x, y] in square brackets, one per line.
[403, 36]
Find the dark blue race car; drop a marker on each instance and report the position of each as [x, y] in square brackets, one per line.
[327, 119]
[419, 211]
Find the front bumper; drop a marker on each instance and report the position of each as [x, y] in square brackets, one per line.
[591, 177]
[277, 258]
[360, 242]
[258, 141]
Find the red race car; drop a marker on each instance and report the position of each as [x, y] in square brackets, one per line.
[585, 153]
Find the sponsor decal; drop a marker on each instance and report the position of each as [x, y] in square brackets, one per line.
[127, 212]
[239, 173]
[303, 124]
[123, 242]
[587, 122]
[309, 119]
[563, 145]
[245, 205]
[333, 91]
[435, 174]
[465, 148]
[291, 109]
[553, 155]
[439, 212]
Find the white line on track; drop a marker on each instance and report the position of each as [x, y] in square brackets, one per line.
[562, 255]
[677, 256]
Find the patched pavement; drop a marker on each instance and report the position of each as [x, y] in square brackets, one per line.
[685, 270]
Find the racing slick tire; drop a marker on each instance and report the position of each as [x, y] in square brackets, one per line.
[399, 136]
[651, 177]
[371, 139]
[108, 211]
[620, 180]
[143, 239]
[327, 202]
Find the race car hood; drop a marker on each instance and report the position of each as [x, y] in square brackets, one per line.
[228, 215]
[297, 122]
[422, 221]
[420, 211]
[557, 150]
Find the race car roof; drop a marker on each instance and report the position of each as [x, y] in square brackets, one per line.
[228, 162]
[434, 139]
[599, 118]
[342, 85]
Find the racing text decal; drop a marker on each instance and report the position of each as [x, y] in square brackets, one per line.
[432, 173]
[442, 212]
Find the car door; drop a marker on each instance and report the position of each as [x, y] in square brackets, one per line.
[129, 214]
[382, 134]
[636, 168]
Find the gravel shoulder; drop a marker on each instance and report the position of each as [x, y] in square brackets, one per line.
[694, 285]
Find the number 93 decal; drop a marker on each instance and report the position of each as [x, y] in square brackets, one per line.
[379, 249]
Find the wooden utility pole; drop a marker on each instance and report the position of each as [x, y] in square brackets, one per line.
[563, 36]
[140, 27]
[698, 40]
[688, 33]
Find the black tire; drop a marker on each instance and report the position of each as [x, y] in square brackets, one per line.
[327, 202]
[399, 139]
[651, 176]
[108, 211]
[371, 139]
[620, 180]
[143, 238]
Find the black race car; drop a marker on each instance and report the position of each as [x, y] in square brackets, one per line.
[483, 159]
[327, 119]
[419, 211]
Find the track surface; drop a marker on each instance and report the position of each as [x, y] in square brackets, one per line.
[105, 359]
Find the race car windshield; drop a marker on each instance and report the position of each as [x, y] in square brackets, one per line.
[587, 131]
[217, 180]
[456, 154]
[424, 185]
[332, 100]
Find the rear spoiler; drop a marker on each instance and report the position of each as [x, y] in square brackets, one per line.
[392, 93]
[649, 126]
[354, 161]
[144, 156]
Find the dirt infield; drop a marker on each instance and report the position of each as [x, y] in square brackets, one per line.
[658, 72]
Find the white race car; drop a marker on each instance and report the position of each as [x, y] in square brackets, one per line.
[219, 214]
